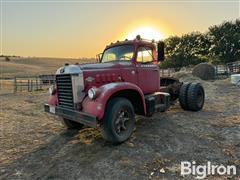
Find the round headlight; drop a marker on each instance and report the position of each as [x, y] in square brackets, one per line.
[51, 89]
[92, 93]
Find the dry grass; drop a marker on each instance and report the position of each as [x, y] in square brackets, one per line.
[22, 117]
[36, 146]
[228, 121]
[34, 66]
[6, 86]
[29, 67]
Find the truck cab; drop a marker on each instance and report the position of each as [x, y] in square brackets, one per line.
[125, 81]
[140, 63]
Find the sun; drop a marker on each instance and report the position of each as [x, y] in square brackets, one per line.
[146, 33]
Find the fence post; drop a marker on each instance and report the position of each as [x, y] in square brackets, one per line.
[15, 84]
[31, 85]
[225, 71]
[40, 83]
[28, 85]
[20, 83]
[36, 84]
[216, 73]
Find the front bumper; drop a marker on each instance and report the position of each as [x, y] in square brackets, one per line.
[77, 116]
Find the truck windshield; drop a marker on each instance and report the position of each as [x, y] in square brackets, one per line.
[123, 52]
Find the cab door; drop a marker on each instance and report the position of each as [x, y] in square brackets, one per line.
[148, 73]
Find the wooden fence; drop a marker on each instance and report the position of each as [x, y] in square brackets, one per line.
[221, 71]
[225, 70]
[234, 67]
[24, 84]
[167, 72]
[32, 83]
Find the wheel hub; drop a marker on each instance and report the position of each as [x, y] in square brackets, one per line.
[121, 121]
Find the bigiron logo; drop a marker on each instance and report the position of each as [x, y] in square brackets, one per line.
[202, 171]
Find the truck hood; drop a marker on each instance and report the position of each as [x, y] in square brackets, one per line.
[103, 73]
[104, 65]
[76, 69]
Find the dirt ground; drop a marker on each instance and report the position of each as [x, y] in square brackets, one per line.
[34, 145]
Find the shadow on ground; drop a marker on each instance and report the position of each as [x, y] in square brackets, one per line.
[155, 150]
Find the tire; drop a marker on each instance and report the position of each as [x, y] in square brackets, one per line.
[183, 96]
[195, 97]
[72, 124]
[119, 120]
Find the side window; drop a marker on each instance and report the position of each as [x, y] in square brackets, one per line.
[144, 55]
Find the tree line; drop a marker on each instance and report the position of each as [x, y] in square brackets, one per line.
[219, 45]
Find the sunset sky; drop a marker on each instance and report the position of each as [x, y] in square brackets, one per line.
[83, 29]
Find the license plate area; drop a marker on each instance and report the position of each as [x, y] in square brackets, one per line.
[52, 109]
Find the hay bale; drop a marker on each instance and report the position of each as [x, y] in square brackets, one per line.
[185, 76]
[204, 71]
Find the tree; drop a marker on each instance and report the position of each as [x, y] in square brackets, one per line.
[225, 41]
[221, 44]
[189, 49]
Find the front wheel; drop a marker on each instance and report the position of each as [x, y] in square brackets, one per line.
[119, 120]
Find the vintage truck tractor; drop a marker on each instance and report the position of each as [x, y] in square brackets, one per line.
[125, 81]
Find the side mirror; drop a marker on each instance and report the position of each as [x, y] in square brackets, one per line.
[99, 57]
[160, 51]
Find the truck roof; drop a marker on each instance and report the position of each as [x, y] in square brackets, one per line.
[138, 41]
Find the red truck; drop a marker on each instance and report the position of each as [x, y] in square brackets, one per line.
[125, 81]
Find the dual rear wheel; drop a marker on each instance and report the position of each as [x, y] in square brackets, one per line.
[191, 96]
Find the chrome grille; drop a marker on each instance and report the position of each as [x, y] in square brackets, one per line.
[65, 93]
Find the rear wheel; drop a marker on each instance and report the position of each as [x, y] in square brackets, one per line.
[119, 120]
[191, 96]
[183, 95]
[196, 97]
[71, 124]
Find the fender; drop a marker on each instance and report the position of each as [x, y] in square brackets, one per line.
[53, 100]
[97, 107]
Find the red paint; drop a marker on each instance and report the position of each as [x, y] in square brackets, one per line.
[97, 107]
[53, 100]
[127, 71]
[115, 76]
